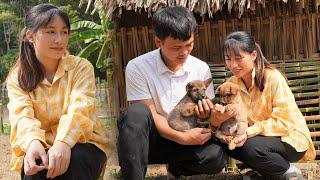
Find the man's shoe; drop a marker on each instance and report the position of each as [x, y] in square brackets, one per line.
[170, 176]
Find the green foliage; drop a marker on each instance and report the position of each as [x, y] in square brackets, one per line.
[7, 62]
[9, 22]
[72, 12]
[6, 128]
[97, 40]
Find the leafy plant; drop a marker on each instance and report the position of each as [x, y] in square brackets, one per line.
[97, 38]
[7, 62]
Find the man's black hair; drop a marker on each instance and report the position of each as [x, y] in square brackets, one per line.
[175, 21]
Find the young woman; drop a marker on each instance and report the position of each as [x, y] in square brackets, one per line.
[54, 130]
[277, 134]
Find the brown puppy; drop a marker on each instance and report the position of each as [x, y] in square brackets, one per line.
[237, 125]
[182, 117]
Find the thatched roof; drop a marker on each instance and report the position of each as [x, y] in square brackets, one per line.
[200, 6]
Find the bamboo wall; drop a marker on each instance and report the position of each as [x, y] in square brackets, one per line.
[283, 33]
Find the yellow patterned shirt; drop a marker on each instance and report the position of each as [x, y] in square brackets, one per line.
[274, 112]
[63, 110]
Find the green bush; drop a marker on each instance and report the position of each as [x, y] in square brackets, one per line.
[6, 62]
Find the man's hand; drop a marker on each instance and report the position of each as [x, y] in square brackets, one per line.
[196, 136]
[59, 159]
[35, 151]
[203, 109]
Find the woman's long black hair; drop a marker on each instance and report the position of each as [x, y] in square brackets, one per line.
[241, 40]
[30, 73]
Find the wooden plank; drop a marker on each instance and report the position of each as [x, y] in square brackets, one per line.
[310, 109]
[222, 35]
[145, 39]
[305, 87]
[303, 81]
[205, 41]
[309, 36]
[270, 45]
[315, 134]
[283, 34]
[308, 102]
[297, 37]
[124, 43]
[258, 34]
[210, 40]
[313, 33]
[312, 118]
[134, 41]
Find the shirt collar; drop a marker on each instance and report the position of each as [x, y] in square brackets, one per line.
[162, 68]
[66, 63]
[243, 86]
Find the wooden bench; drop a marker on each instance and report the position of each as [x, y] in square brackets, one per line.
[304, 81]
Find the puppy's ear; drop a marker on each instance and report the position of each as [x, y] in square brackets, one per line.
[207, 82]
[189, 86]
[217, 91]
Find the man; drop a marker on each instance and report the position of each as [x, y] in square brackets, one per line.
[155, 82]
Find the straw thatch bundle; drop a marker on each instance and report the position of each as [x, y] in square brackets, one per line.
[202, 7]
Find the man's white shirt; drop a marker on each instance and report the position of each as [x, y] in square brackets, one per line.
[147, 77]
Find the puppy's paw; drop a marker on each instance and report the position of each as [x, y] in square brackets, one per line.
[232, 109]
[231, 145]
[220, 108]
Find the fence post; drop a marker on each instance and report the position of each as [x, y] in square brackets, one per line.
[1, 118]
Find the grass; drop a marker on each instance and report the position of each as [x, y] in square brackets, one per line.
[6, 128]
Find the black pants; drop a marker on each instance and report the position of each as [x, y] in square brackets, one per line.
[86, 163]
[140, 144]
[267, 155]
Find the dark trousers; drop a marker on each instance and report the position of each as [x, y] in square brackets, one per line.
[267, 155]
[86, 163]
[140, 144]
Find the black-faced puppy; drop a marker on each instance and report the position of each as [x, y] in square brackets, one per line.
[183, 117]
[230, 97]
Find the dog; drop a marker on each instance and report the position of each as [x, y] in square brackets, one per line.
[183, 117]
[230, 96]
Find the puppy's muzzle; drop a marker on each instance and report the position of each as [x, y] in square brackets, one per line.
[201, 95]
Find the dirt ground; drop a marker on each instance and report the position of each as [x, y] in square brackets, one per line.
[311, 171]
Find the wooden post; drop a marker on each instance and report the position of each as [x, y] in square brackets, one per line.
[1, 118]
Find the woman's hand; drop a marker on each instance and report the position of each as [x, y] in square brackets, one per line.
[35, 151]
[239, 140]
[203, 109]
[233, 109]
[59, 159]
[217, 118]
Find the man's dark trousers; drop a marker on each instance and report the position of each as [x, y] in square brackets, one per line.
[140, 144]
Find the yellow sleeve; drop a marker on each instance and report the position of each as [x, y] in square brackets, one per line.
[24, 126]
[284, 111]
[80, 119]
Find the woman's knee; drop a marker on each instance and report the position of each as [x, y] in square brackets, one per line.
[88, 159]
